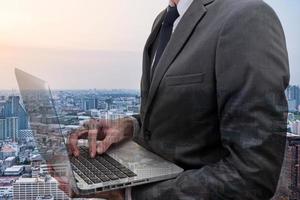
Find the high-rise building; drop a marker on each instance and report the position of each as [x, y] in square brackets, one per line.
[289, 182]
[2, 128]
[34, 188]
[292, 105]
[23, 117]
[11, 106]
[14, 108]
[9, 128]
[293, 93]
[12, 128]
[2, 110]
[13, 118]
[102, 105]
[89, 103]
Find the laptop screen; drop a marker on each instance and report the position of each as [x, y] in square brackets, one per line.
[44, 123]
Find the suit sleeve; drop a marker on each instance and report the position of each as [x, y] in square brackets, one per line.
[137, 124]
[252, 73]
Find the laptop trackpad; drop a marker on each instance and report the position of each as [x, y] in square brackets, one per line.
[135, 156]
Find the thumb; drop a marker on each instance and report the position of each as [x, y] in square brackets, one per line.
[67, 190]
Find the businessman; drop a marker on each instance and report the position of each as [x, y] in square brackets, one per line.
[212, 101]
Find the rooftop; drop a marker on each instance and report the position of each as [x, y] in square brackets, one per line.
[293, 139]
[11, 158]
[8, 149]
[37, 157]
[292, 135]
[15, 168]
[34, 180]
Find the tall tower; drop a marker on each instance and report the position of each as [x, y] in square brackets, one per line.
[12, 128]
[293, 93]
[11, 107]
[23, 117]
[89, 103]
[14, 108]
[2, 128]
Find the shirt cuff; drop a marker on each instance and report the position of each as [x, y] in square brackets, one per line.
[128, 194]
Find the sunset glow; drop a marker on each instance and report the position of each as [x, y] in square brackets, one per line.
[59, 40]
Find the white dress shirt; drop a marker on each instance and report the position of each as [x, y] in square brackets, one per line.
[182, 7]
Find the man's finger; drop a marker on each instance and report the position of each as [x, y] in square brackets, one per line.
[104, 145]
[73, 142]
[93, 142]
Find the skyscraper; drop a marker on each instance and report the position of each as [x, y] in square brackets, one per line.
[23, 117]
[11, 106]
[12, 128]
[89, 103]
[2, 128]
[13, 117]
[1, 110]
[293, 93]
[14, 108]
[9, 128]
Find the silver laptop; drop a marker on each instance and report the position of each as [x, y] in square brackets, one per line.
[124, 165]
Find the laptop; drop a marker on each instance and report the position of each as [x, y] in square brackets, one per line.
[124, 165]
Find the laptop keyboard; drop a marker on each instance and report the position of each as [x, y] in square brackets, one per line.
[102, 168]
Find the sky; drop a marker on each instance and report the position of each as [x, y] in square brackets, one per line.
[79, 44]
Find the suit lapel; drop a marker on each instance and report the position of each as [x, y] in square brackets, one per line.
[184, 29]
[146, 55]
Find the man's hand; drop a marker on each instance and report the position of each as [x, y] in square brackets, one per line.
[107, 131]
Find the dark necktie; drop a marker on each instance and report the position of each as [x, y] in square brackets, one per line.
[165, 34]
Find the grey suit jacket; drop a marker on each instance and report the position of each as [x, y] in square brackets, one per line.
[216, 105]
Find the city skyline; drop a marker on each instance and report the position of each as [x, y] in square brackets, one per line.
[22, 164]
[75, 46]
[22, 150]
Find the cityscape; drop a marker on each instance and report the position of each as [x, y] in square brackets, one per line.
[24, 173]
[23, 170]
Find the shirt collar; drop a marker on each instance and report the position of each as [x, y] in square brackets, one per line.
[182, 6]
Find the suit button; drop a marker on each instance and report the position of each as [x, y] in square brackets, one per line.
[147, 135]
